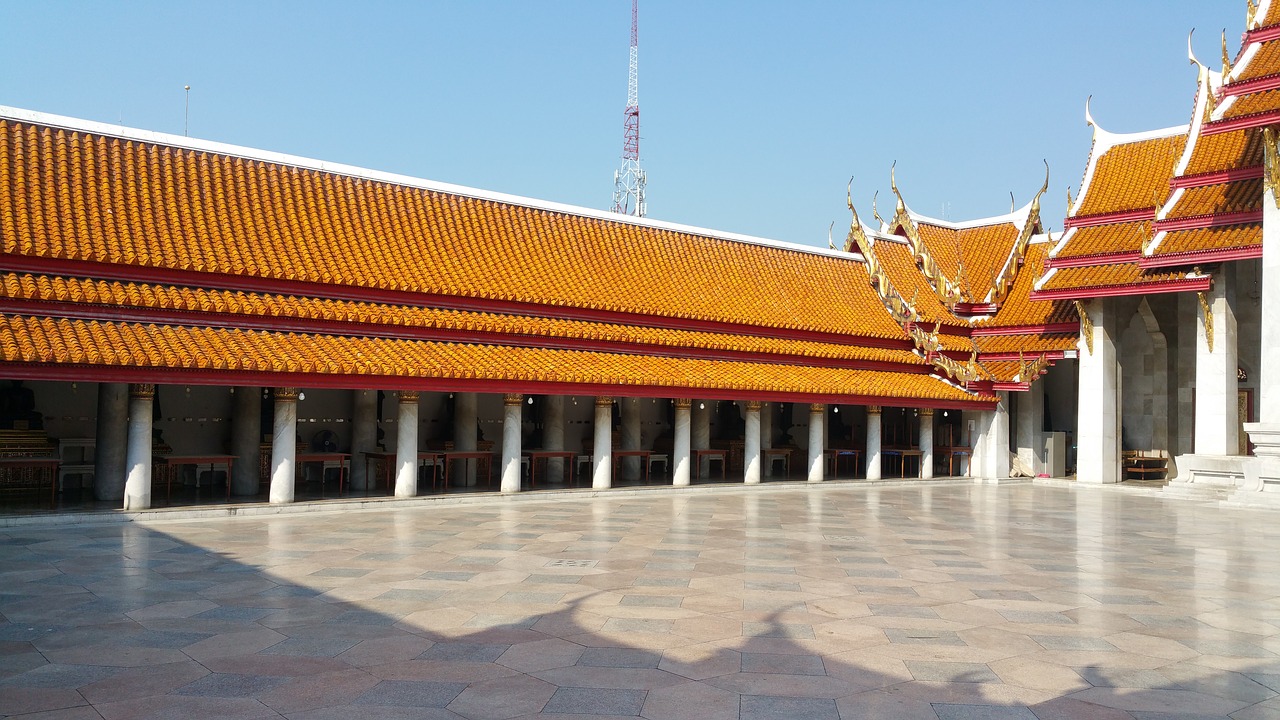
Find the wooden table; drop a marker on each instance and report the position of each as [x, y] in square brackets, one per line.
[387, 459]
[451, 455]
[323, 457]
[644, 461]
[772, 453]
[47, 466]
[836, 453]
[711, 454]
[546, 456]
[902, 454]
[173, 462]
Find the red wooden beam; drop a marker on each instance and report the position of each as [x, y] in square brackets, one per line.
[1198, 257]
[1151, 288]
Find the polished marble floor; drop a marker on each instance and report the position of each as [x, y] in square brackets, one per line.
[842, 601]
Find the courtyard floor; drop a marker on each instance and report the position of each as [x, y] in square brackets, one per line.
[790, 601]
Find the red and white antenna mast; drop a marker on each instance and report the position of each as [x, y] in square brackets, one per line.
[628, 180]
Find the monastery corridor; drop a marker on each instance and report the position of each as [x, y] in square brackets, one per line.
[946, 601]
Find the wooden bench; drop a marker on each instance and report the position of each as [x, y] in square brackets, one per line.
[1145, 466]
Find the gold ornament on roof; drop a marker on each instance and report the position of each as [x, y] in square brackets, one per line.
[948, 293]
[1000, 285]
[1250, 14]
[1271, 165]
[1226, 60]
[1086, 325]
[1070, 200]
[1208, 319]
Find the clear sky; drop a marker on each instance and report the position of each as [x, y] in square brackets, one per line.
[754, 115]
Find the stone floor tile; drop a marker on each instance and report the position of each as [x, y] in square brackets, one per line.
[409, 693]
[950, 711]
[596, 701]
[767, 707]
[951, 672]
[503, 698]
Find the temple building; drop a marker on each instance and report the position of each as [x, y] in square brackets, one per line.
[185, 322]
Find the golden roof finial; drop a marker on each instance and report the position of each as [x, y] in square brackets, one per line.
[1035, 201]
[1088, 115]
[1250, 14]
[1191, 53]
[874, 212]
[1226, 61]
[831, 227]
[1271, 164]
[1013, 204]
[893, 185]
[1070, 200]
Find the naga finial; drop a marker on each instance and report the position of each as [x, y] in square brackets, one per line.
[1035, 201]
[1088, 116]
[874, 212]
[1070, 200]
[1226, 60]
[831, 227]
[1013, 204]
[1250, 14]
[1191, 53]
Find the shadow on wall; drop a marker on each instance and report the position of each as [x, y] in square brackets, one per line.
[499, 612]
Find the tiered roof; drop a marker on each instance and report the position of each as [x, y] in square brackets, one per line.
[1158, 210]
[129, 255]
[962, 291]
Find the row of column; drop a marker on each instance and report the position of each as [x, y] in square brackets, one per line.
[136, 438]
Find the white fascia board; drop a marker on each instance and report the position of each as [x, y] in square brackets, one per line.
[1045, 278]
[1063, 239]
[187, 143]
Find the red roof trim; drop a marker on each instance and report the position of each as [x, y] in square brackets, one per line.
[178, 376]
[1083, 221]
[964, 308]
[1215, 177]
[1011, 386]
[1252, 85]
[308, 326]
[1151, 288]
[1261, 35]
[1194, 257]
[1028, 355]
[1199, 222]
[1050, 329]
[1074, 261]
[1244, 122]
[943, 328]
[165, 276]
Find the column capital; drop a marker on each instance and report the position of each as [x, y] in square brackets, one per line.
[753, 405]
[512, 398]
[873, 409]
[142, 391]
[926, 412]
[684, 403]
[604, 401]
[285, 394]
[407, 395]
[817, 408]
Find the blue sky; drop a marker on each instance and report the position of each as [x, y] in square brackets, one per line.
[754, 115]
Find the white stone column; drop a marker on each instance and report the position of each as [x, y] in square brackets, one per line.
[766, 436]
[873, 442]
[246, 440]
[284, 445]
[137, 463]
[630, 436]
[511, 412]
[926, 443]
[1097, 428]
[1262, 474]
[1031, 428]
[995, 439]
[465, 406]
[364, 436]
[1217, 408]
[700, 433]
[553, 435]
[602, 472]
[751, 455]
[817, 437]
[681, 463]
[407, 443]
[112, 438]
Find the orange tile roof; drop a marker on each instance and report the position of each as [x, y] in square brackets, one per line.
[1032, 345]
[43, 288]
[1224, 198]
[983, 250]
[1019, 309]
[1253, 103]
[1132, 176]
[911, 283]
[1225, 151]
[1101, 276]
[104, 344]
[1214, 238]
[1271, 18]
[1106, 239]
[1266, 61]
[91, 197]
